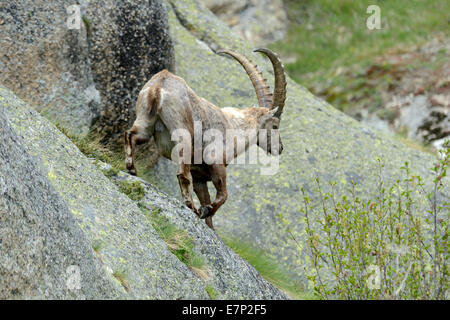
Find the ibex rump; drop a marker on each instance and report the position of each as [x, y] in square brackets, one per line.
[166, 103]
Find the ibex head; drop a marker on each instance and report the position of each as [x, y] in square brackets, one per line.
[268, 136]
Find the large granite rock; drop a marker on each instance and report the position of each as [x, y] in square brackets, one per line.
[129, 42]
[46, 63]
[43, 252]
[229, 275]
[85, 67]
[73, 198]
[318, 140]
[130, 247]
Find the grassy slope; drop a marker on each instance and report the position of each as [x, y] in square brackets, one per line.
[334, 33]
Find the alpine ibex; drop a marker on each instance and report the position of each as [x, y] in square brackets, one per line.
[166, 104]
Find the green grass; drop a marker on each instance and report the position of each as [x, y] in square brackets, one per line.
[111, 172]
[211, 292]
[91, 147]
[177, 241]
[121, 276]
[97, 245]
[269, 269]
[334, 33]
[134, 190]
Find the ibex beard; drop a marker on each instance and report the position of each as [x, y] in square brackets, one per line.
[203, 138]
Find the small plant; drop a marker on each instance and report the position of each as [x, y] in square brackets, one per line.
[177, 241]
[111, 172]
[88, 24]
[91, 147]
[97, 245]
[386, 247]
[211, 292]
[134, 190]
[120, 275]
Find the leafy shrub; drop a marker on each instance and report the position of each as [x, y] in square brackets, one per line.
[386, 247]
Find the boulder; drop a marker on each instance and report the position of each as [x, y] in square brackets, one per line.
[73, 198]
[229, 275]
[83, 63]
[43, 252]
[46, 64]
[128, 43]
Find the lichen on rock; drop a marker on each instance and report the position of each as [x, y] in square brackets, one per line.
[97, 226]
[130, 245]
[43, 252]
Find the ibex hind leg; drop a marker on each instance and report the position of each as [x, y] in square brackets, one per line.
[133, 137]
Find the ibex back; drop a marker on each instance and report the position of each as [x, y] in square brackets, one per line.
[166, 104]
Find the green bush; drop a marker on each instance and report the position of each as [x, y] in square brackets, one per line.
[385, 247]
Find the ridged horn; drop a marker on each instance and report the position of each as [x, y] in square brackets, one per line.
[262, 90]
[279, 93]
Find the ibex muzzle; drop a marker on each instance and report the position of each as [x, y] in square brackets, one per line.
[166, 104]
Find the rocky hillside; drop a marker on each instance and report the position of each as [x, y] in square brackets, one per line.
[59, 211]
[258, 21]
[403, 91]
[318, 141]
[86, 79]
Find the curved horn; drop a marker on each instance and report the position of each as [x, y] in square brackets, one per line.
[279, 93]
[259, 83]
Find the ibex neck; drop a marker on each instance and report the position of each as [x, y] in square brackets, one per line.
[243, 118]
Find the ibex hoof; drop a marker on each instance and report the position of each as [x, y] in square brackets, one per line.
[132, 172]
[205, 211]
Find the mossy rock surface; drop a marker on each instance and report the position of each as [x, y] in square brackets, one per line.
[126, 241]
[43, 252]
[83, 63]
[230, 276]
[100, 225]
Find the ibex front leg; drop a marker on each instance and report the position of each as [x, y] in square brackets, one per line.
[219, 179]
[134, 136]
[184, 180]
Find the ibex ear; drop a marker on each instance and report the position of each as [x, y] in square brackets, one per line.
[273, 111]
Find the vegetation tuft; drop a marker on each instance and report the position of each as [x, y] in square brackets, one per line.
[91, 147]
[177, 241]
[120, 275]
[211, 292]
[133, 189]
